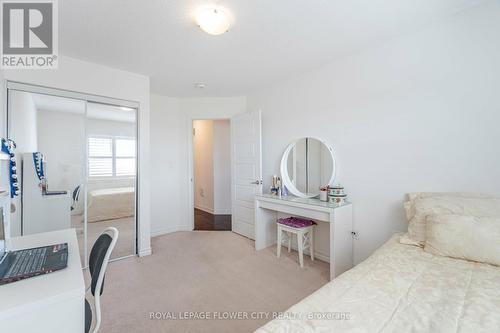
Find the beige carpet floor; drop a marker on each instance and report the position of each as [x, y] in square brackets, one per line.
[204, 271]
[126, 228]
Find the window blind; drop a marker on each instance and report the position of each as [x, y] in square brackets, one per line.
[100, 157]
[111, 157]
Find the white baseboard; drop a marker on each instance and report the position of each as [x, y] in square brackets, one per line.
[226, 211]
[205, 209]
[169, 230]
[317, 255]
[77, 211]
[146, 252]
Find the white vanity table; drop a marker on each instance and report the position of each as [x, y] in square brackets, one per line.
[306, 165]
[339, 218]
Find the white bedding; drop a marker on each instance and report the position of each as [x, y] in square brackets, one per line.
[110, 203]
[401, 288]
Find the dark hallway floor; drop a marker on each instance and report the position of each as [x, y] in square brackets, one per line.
[207, 221]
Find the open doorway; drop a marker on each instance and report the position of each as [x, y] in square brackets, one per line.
[212, 174]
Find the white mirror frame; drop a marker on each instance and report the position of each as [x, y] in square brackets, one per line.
[285, 177]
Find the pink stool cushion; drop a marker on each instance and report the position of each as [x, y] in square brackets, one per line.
[296, 222]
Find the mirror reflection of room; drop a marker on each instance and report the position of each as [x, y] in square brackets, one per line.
[111, 147]
[309, 165]
[49, 133]
[77, 168]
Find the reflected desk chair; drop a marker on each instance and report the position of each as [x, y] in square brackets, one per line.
[75, 196]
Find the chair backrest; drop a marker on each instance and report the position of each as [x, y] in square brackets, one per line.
[98, 262]
[76, 193]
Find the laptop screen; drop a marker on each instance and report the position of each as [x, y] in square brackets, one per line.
[2, 234]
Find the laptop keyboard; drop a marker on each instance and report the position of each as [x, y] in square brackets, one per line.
[27, 262]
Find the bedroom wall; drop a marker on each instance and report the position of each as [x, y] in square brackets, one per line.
[420, 113]
[169, 203]
[110, 127]
[86, 77]
[61, 138]
[25, 136]
[171, 124]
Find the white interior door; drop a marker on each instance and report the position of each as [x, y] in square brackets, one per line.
[246, 155]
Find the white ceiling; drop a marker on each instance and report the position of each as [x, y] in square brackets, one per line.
[75, 106]
[269, 40]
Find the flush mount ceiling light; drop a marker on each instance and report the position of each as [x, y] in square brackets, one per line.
[213, 20]
[200, 85]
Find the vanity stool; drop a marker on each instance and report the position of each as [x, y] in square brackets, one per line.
[304, 229]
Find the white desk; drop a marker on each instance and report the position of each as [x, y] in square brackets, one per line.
[50, 303]
[339, 219]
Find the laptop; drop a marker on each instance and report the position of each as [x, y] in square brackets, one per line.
[24, 264]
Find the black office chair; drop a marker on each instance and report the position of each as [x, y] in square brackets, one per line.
[98, 262]
[75, 196]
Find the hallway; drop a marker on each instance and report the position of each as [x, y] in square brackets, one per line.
[207, 221]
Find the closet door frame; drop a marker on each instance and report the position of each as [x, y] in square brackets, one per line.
[86, 98]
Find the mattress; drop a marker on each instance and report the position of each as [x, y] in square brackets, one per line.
[110, 203]
[401, 288]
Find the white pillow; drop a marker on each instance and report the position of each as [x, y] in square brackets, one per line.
[405, 239]
[464, 237]
[444, 205]
[409, 205]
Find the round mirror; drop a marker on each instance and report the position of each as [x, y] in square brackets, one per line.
[307, 165]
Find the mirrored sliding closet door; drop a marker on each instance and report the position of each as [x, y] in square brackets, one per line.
[75, 165]
[111, 174]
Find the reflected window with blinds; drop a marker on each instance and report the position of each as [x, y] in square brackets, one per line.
[111, 157]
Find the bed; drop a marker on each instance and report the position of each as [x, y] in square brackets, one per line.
[110, 203]
[401, 288]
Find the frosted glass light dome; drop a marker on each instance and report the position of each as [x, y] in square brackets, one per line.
[213, 21]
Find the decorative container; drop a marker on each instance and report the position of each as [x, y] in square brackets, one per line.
[336, 190]
[338, 200]
[336, 195]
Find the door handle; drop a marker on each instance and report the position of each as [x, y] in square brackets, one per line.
[257, 182]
